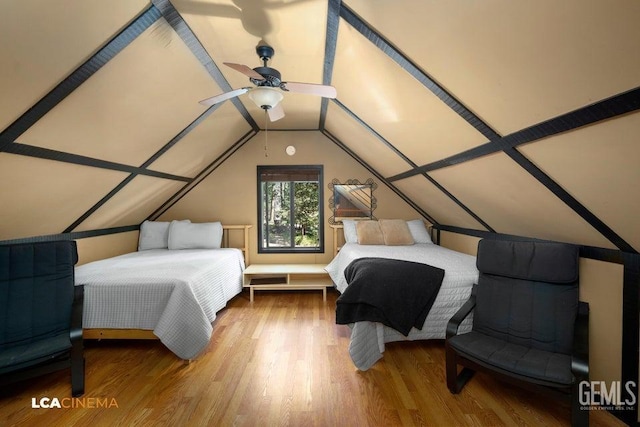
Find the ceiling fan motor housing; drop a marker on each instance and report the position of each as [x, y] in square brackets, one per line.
[272, 77]
[265, 52]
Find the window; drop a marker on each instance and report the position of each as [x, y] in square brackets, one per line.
[290, 210]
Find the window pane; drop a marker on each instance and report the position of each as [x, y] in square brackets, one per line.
[290, 209]
[306, 214]
[277, 217]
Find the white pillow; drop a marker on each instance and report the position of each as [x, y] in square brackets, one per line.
[419, 231]
[186, 235]
[350, 233]
[153, 235]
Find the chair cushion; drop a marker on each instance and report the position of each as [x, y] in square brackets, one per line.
[546, 367]
[527, 293]
[21, 356]
[549, 262]
[37, 285]
[532, 314]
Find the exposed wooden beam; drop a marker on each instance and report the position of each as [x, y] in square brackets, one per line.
[203, 174]
[100, 203]
[331, 40]
[393, 188]
[181, 134]
[60, 156]
[569, 200]
[416, 72]
[136, 171]
[406, 159]
[171, 15]
[146, 164]
[615, 106]
[78, 76]
[630, 335]
[72, 236]
[372, 131]
[592, 252]
[612, 107]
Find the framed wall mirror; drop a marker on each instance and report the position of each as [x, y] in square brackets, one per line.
[352, 200]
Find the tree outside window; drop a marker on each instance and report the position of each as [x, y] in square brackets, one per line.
[290, 209]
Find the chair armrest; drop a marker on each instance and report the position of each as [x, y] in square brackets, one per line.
[580, 352]
[76, 313]
[461, 314]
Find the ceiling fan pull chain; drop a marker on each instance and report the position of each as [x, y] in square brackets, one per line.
[266, 133]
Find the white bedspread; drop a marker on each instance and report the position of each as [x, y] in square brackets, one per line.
[175, 293]
[368, 338]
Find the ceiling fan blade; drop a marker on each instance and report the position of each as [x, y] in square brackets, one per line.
[224, 96]
[249, 72]
[276, 112]
[310, 88]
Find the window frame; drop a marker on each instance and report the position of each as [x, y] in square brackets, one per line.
[291, 249]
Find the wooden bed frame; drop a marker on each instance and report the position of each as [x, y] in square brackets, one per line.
[144, 334]
[338, 235]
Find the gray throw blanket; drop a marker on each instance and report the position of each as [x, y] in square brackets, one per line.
[396, 293]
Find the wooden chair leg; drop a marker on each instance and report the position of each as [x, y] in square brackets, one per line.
[455, 381]
[77, 343]
[452, 369]
[77, 378]
[77, 369]
[579, 416]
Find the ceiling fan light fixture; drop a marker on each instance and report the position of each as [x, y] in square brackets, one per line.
[265, 97]
[268, 81]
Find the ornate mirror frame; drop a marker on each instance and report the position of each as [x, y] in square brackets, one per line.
[360, 206]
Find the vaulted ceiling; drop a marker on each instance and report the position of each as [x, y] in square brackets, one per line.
[511, 117]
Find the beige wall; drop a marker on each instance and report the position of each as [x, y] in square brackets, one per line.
[600, 286]
[100, 247]
[459, 242]
[229, 194]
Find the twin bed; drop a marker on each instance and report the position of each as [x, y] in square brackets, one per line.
[161, 293]
[368, 338]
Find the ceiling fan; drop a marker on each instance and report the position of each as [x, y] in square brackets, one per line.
[269, 86]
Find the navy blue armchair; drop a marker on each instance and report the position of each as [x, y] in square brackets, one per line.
[40, 312]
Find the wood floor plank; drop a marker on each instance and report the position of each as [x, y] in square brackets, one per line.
[280, 360]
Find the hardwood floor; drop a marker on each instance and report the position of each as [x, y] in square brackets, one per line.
[279, 361]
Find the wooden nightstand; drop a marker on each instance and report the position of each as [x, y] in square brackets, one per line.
[286, 277]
